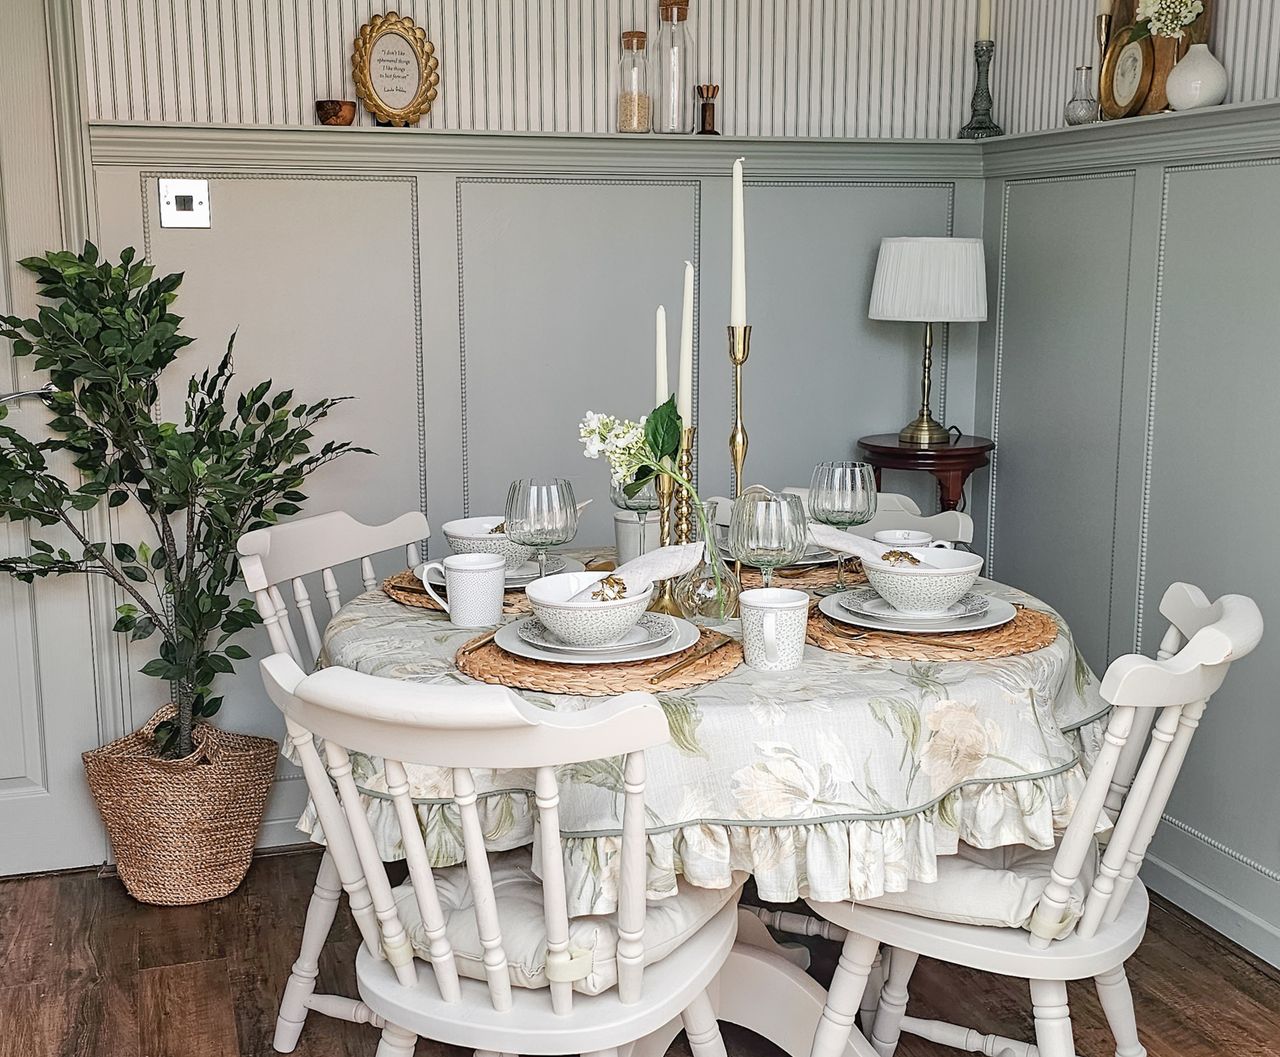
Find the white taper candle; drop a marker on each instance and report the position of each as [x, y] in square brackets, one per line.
[738, 257]
[661, 390]
[984, 20]
[684, 382]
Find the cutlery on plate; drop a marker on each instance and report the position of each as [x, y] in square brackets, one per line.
[716, 643]
[928, 641]
[475, 644]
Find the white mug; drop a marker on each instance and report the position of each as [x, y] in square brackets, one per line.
[626, 534]
[474, 584]
[773, 627]
[906, 539]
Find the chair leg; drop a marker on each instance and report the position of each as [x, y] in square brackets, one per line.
[1053, 1018]
[847, 986]
[302, 979]
[703, 1028]
[1117, 1005]
[871, 993]
[396, 1042]
[892, 1007]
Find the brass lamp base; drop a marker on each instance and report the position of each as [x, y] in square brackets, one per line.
[925, 431]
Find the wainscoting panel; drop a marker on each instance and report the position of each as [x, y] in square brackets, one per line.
[559, 282]
[1215, 311]
[899, 68]
[345, 248]
[1061, 309]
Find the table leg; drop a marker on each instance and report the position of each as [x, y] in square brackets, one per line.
[950, 488]
[762, 990]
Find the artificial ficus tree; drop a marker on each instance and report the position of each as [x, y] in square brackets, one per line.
[235, 463]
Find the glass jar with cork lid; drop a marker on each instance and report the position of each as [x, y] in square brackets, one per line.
[634, 104]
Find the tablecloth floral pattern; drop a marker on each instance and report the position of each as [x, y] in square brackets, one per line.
[843, 779]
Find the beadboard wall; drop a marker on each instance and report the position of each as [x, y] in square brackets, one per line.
[892, 68]
[845, 68]
[1040, 42]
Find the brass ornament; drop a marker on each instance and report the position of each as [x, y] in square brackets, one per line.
[899, 558]
[364, 54]
[610, 589]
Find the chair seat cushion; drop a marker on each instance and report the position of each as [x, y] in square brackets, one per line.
[987, 886]
[593, 940]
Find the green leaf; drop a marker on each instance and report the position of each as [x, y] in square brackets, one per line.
[662, 429]
[135, 573]
[237, 653]
[124, 552]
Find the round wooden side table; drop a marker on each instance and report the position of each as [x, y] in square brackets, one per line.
[951, 464]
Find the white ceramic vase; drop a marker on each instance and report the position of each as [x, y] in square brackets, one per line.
[1199, 79]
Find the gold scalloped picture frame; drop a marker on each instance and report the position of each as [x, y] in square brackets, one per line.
[396, 72]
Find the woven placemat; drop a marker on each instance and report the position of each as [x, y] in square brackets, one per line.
[810, 579]
[1027, 632]
[406, 589]
[492, 664]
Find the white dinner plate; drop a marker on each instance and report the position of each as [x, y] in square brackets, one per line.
[866, 602]
[998, 612]
[526, 573]
[652, 629]
[508, 638]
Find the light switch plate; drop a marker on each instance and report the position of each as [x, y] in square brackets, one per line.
[184, 203]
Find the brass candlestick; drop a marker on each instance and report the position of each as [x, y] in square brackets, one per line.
[739, 349]
[664, 599]
[1102, 27]
[684, 497]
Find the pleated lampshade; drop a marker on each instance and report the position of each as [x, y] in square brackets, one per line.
[930, 281]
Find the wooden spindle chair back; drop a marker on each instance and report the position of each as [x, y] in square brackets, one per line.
[465, 728]
[282, 556]
[1133, 777]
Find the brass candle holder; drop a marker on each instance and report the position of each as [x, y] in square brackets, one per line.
[684, 498]
[739, 349]
[1102, 27]
[664, 599]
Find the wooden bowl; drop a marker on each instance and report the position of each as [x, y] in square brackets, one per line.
[335, 111]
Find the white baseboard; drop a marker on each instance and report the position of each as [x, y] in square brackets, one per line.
[1214, 909]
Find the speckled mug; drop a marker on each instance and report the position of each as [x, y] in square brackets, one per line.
[473, 585]
[773, 627]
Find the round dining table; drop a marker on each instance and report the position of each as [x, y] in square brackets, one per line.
[843, 779]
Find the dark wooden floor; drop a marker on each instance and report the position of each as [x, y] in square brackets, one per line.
[84, 970]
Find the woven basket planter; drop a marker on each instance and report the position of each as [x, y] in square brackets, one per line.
[183, 830]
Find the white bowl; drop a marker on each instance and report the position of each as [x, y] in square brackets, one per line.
[588, 622]
[940, 580]
[474, 535]
[903, 538]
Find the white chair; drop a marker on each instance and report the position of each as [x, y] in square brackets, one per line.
[282, 556]
[510, 972]
[893, 511]
[1081, 912]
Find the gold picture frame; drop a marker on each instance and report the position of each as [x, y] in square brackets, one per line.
[395, 68]
[1127, 70]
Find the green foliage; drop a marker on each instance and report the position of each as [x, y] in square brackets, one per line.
[663, 432]
[105, 337]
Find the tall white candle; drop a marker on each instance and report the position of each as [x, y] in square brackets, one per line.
[738, 258]
[684, 384]
[661, 390]
[984, 20]
[1105, 6]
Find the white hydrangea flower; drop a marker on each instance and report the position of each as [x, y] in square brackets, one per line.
[1169, 18]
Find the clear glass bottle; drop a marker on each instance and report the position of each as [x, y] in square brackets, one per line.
[674, 70]
[1083, 107]
[634, 102]
[708, 593]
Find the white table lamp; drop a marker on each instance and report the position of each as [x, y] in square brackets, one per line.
[929, 281]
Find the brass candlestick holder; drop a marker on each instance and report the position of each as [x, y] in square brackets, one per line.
[739, 349]
[664, 599]
[1102, 27]
[684, 498]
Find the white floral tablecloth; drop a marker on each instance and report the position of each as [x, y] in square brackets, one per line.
[843, 779]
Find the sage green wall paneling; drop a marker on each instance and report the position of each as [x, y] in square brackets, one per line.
[345, 248]
[560, 280]
[821, 374]
[1209, 504]
[1059, 365]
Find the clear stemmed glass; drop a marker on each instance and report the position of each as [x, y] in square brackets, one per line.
[768, 530]
[640, 504]
[541, 513]
[842, 494]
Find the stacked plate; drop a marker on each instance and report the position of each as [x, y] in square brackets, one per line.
[813, 555]
[656, 635]
[525, 574]
[864, 608]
